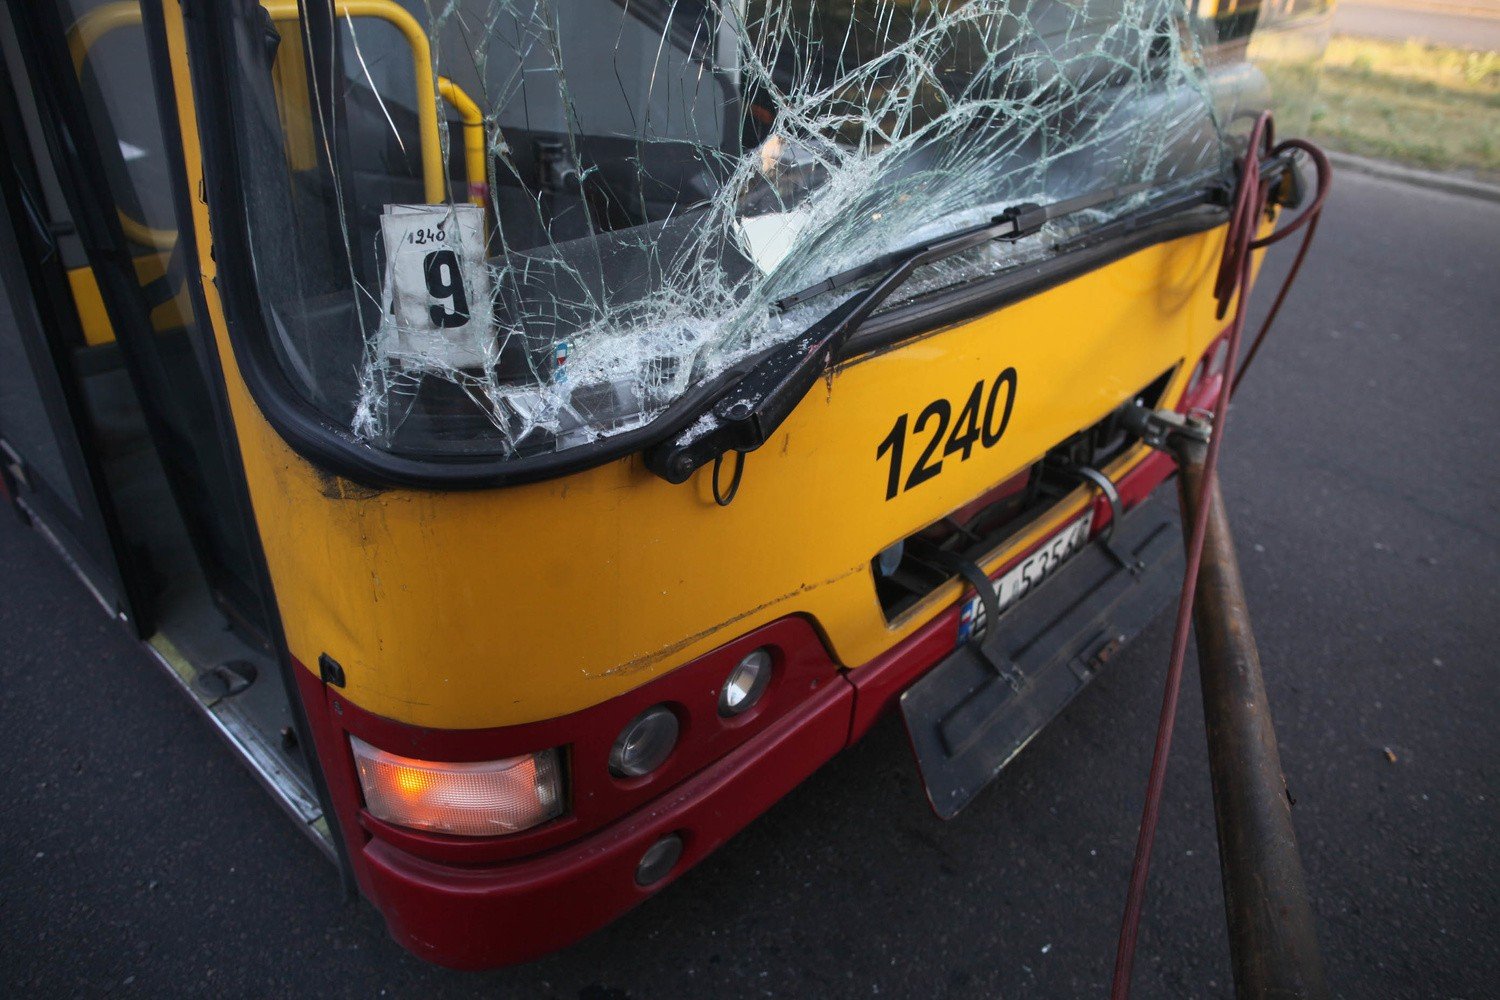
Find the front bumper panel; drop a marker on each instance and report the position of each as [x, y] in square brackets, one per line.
[510, 900]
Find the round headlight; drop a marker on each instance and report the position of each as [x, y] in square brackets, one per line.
[746, 683]
[644, 743]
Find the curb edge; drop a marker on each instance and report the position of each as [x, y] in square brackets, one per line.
[1385, 170]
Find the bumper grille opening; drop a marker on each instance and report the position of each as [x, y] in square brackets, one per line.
[912, 568]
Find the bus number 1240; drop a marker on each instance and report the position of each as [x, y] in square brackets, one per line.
[970, 428]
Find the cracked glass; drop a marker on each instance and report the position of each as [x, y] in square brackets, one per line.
[506, 228]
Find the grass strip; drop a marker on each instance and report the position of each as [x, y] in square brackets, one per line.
[1419, 104]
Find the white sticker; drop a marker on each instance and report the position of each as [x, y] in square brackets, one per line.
[436, 299]
[767, 239]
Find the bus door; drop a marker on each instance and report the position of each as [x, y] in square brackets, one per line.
[133, 350]
[45, 468]
[147, 419]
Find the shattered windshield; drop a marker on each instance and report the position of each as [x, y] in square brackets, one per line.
[509, 227]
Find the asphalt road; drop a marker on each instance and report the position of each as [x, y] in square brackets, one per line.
[1466, 24]
[138, 858]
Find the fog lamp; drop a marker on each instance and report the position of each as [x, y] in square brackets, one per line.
[484, 799]
[644, 743]
[746, 683]
[659, 860]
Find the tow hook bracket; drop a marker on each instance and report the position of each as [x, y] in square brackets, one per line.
[1111, 495]
[967, 718]
[1164, 430]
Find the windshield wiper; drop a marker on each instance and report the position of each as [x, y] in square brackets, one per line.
[744, 415]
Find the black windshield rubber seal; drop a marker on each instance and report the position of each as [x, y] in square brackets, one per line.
[334, 448]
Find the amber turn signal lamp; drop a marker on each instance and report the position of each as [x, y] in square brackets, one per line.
[481, 799]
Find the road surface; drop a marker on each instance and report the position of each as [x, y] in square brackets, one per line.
[137, 858]
[1467, 24]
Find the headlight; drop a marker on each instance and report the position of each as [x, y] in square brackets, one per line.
[484, 799]
[746, 683]
[644, 743]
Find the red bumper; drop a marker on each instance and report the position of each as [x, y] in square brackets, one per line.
[477, 918]
[515, 899]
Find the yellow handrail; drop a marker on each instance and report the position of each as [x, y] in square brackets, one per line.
[421, 58]
[476, 155]
[100, 21]
[87, 30]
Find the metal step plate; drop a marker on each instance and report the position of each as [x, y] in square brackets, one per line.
[967, 719]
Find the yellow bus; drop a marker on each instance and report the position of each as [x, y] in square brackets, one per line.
[537, 435]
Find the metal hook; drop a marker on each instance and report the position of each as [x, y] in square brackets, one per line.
[1106, 487]
[725, 499]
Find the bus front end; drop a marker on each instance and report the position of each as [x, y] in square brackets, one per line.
[630, 395]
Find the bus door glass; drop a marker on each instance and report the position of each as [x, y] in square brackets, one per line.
[142, 365]
[45, 465]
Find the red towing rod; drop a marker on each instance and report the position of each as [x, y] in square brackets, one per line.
[1272, 936]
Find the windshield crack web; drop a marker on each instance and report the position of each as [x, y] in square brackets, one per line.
[639, 182]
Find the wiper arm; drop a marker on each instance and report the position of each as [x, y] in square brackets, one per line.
[745, 415]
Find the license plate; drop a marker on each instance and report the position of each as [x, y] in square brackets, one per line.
[1022, 578]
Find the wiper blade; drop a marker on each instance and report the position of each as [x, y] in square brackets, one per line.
[885, 262]
[743, 416]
